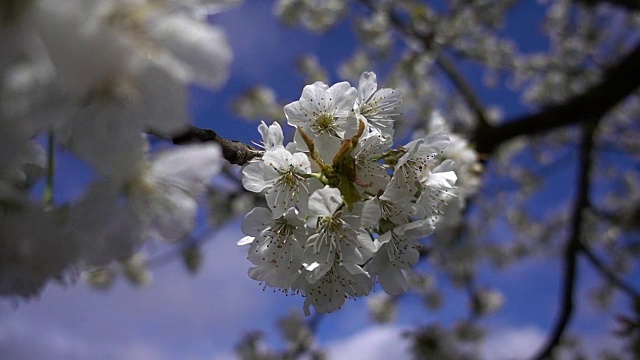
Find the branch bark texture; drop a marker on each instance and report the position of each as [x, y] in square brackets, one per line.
[233, 151]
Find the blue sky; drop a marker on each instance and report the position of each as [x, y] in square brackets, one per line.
[201, 317]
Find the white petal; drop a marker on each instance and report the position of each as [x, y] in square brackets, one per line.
[204, 48]
[434, 143]
[280, 198]
[256, 221]
[271, 135]
[327, 146]
[393, 281]
[343, 96]
[109, 138]
[367, 86]
[277, 277]
[295, 115]
[317, 261]
[84, 51]
[162, 100]
[257, 176]
[171, 213]
[105, 229]
[325, 201]
[188, 166]
[371, 213]
[360, 283]
[245, 240]
[277, 158]
[442, 180]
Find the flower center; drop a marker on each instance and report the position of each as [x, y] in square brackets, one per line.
[330, 223]
[324, 122]
[283, 230]
[289, 178]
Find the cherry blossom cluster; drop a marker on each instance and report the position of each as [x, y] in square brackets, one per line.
[92, 77]
[344, 207]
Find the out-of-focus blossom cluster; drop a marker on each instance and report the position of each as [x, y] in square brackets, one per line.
[344, 207]
[93, 76]
[313, 14]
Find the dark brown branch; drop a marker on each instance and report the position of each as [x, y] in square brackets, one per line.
[448, 66]
[609, 274]
[618, 83]
[631, 5]
[570, 257]
[233, 151]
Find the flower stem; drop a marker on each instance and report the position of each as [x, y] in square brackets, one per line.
[314, 154]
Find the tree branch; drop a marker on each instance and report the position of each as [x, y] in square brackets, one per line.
[570, 258]
[618, 83]
[448, 66]
[233, 151]
[609, 274]
[631, 5]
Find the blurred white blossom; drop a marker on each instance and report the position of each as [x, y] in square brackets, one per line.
[94, 76]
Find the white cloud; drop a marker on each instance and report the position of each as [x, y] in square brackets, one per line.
[176, 316]
[20, 341]
[374, 343]
[512, 343]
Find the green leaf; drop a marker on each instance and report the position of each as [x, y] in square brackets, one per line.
[350, 193]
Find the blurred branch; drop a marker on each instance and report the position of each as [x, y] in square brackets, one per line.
[632, 5]
[442, 60]
[573, 245]
[448, 66]
[609, 274]
[626, 219]
[233, 151]
[619, 82]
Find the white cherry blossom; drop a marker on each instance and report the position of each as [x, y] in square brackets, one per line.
[272, 136]
[92, 77]
[338, 234]
[285, 177]
[397, 251]
[377, 106]
[371, 175]
[327, 294]
[376, 204]
[438, 189]
[275, 246]
[325, 114]
[415, 164]
[165, 194]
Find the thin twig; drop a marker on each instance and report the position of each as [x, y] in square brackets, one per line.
[233, 151]
[449, 67]
[570, 258]
[608, 273]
